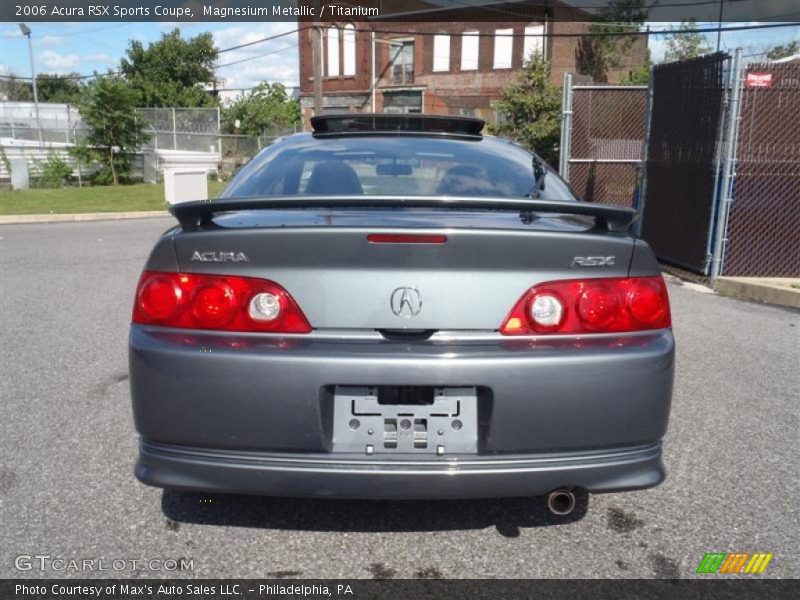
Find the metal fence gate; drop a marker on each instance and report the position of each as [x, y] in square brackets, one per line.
[763, 233]
[602, 139]
[719, 192]
[685, 159]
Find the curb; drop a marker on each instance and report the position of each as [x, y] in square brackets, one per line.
[766, 290]
[109, 216]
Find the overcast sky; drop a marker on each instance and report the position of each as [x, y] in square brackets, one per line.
[86, 47]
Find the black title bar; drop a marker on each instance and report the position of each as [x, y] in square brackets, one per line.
[713, 588]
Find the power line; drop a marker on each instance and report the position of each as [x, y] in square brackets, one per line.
[118, 71]
[62, 35]
[477, 34]
[236, 62]
[266, 39]
[576, 6]
[604, 33]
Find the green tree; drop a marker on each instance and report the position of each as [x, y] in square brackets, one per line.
[265, 107]
[532, 110]
[612, 37]
[783, 50]
[640, 76]
[15, 89]
[108, 108]
[172, 71]
[58, 88]
[686, 45]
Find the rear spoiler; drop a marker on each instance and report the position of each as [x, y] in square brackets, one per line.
[613, 218]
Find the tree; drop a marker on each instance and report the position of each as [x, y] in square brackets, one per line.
[58, 88]
[640, 76]
[172, 71]
[608, 45]
[108, 108]
[265, 107]
[532, 107]
[783, 50]
[15, 89]
[686, 45]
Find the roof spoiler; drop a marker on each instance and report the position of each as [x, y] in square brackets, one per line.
[613, 218]
[365, 123]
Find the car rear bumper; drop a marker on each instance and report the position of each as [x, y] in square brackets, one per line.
[330, 476]
[254, 413]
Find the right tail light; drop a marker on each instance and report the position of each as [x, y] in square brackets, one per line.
[591, 306]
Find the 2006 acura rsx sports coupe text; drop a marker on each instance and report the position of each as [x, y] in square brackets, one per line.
[401, 307]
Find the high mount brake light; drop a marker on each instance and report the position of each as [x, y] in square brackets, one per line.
[217, 302]
[405, 238]
[591, 306]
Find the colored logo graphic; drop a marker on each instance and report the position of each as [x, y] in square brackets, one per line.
[735, 562]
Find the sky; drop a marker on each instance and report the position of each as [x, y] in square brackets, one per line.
[88, 47]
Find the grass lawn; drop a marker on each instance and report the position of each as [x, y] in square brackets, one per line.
[120, 198]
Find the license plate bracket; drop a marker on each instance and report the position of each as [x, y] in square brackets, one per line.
[448, 425]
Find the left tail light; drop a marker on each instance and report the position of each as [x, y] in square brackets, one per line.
[216, 302]
[611, 305]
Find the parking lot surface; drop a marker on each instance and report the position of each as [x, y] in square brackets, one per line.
[68, 446]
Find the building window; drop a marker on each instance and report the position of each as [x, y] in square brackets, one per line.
[441, 53]
[349, 50]
[503, 45]
[534, 41]
[402, 102]
[469, 51]
[333, 52]
[402, 62]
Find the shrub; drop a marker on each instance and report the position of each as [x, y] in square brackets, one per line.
[53, 172]
[102, 176]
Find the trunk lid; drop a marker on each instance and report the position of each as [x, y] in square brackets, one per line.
[340, 280]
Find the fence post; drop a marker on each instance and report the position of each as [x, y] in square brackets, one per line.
[566, 128]
[219, 134]
[729, 165]
[174, 131]
[645, 154]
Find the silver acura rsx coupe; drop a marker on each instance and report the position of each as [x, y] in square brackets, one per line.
[397, 306]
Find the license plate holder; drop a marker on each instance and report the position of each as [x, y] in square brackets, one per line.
[448, 425]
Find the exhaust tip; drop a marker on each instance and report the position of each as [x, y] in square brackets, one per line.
[561, 502]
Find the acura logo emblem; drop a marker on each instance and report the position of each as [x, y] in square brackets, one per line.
[406, 302]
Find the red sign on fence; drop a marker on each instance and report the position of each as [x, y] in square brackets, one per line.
[762, 80]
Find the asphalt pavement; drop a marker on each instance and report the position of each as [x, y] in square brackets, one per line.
[68, 445]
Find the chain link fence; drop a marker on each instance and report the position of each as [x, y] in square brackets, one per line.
[605, 128]
[720, 189]
[60, 123]
[178, 130]
[763, 235]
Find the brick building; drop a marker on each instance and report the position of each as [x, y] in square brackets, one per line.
[451, 66]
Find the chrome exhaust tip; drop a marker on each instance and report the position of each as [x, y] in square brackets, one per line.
[561, 502]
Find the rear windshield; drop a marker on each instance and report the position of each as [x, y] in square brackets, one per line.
[393, 166]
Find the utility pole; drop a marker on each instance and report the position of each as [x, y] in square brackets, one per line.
[27, 33]
[719, 26]
[316, 45]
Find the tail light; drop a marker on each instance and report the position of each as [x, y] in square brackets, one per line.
[217, 302]
[591, 306]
